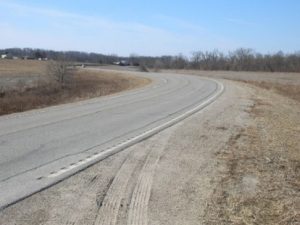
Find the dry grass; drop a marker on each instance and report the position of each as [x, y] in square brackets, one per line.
[289, 90]
[276, 77]
[82, 84]
[22, 67]
[261, 180]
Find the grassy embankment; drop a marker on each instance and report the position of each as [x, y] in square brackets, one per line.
[26, 85]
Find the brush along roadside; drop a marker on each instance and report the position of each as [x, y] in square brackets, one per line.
[79, 85]
[260, 182]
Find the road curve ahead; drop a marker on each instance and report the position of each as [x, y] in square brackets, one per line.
[41, 147]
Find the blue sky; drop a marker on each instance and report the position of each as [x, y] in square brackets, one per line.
[156, 27]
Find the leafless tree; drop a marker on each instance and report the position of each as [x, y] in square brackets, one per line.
[59, 71]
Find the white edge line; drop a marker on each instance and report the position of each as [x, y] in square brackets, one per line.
[113, 150]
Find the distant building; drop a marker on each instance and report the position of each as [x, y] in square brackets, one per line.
[6, 56]
[122, 63]
[43, 59]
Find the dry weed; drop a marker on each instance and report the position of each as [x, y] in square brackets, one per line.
[288, 90]
[261, 180]
[84, 84]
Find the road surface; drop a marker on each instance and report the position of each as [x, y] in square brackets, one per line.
[42, 147]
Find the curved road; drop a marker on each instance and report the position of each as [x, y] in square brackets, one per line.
[41, 147]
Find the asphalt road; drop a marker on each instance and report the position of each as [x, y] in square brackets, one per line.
[41, 147]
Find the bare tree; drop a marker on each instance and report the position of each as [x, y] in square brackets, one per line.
[143, 67]
[158, 64]
[59, 70]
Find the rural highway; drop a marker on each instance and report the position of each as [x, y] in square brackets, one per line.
[42, 147]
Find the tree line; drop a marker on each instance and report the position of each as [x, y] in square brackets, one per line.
[72, 56]
[242, 59]
[238, 60]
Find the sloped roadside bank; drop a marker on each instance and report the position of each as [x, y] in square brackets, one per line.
[259, 180]
[81, 84]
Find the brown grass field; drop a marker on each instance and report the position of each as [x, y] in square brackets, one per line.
[22, 67]
[26, 85]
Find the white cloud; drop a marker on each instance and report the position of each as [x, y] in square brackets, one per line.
[62, 30]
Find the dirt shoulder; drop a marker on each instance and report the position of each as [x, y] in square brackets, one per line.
[236, 162]
[259, 179]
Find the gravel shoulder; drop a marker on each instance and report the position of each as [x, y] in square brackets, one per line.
[216, 167]
[259, 182]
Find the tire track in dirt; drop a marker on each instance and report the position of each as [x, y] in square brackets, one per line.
[138, 208]
[111, 204]
[76, 216]
[90, 199]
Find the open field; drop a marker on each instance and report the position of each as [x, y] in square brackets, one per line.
[15, 73]
[22, 67]
[25, 85]
[276, 77]
[287, 84]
